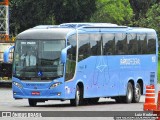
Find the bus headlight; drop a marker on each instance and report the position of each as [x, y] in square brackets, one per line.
[55, 85]
[17, 84]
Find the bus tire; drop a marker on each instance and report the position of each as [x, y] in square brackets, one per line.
[129, 94]
[137, 93]
[32, 102]
[78, 97]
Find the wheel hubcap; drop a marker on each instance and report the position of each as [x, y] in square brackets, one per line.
[129, 94]
[137, 92]
[78, 97]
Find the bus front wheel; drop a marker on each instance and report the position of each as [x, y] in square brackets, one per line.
[32, 102]
[78, 97]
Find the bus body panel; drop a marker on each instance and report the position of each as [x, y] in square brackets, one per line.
[94, 72]
[101, 78]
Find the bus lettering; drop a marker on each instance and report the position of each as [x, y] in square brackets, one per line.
[130, 61]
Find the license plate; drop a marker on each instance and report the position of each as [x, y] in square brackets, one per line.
[35, 93]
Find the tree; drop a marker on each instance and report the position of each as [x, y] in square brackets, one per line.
[28, 13]
[114, 11]
[73, 10]
[152, 19]
[140, 8]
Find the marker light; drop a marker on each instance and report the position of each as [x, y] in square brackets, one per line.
[17, 84]
[55, 85]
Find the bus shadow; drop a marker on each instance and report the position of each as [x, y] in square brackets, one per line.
[69, 105]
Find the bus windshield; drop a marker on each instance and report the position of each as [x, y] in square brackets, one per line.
[38, 59]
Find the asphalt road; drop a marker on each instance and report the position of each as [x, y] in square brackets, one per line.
[7, 103]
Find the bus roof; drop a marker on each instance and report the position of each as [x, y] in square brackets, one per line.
[44, 33]
[61, 31]
[77, 25]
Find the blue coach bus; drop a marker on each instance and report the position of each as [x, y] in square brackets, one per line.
[83, 62]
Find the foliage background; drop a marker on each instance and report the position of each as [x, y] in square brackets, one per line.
[25, 14]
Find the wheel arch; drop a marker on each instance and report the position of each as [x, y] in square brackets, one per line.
[81, 86]
[78, 100]
[132, 82]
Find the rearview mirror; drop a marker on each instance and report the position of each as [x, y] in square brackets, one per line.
[64, 54]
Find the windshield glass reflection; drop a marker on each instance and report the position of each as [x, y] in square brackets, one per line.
[38, 59]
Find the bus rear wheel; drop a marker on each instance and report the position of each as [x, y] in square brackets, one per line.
[137, 93]
[32, 102]
[78, 97]
[129, 94]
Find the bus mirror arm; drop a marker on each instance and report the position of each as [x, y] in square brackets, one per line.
[64, 54]
[6, 54]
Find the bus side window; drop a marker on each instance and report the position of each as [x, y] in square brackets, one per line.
[151, 38]
[132, 43]
[108, 43]
[96, 44]
[142, 43]
[121, 43]
[84, 46]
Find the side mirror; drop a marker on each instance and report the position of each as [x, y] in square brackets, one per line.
[6, 54]
[64, 54]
